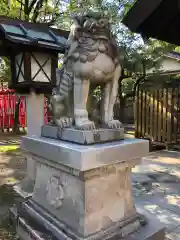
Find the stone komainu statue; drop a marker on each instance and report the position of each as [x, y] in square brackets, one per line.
[91, 57]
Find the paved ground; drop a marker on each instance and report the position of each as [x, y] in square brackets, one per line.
[156, 188]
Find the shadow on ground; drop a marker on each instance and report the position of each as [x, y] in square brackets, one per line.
[12, 170]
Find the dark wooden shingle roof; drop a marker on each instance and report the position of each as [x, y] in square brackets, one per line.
[15, 31]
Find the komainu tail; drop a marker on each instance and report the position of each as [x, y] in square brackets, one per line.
[64, 82]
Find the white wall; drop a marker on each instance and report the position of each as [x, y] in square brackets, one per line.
[168, 65]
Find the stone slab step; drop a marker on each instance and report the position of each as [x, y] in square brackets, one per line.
[151, 231]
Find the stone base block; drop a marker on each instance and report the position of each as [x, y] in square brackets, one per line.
[84, 137]
[33, 219]
[33, 223]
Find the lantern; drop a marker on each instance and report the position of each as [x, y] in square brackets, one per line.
[35, 70]
[33, 50]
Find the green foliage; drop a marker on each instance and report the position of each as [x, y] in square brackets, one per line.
[5, 71]
[127, 86]
[136, 57]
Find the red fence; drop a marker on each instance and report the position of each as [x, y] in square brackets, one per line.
[8, 100]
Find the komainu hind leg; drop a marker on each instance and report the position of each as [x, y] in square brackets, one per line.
[109, 97]
[81, 91]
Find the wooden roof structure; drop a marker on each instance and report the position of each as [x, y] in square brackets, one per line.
[18, 34]
[158, 19]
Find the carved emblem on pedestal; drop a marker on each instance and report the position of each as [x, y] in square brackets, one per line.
[97, 136]
[55, 193]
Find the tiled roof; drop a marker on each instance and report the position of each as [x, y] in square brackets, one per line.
[35, 34]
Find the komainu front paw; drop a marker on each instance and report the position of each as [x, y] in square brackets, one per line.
[64, 122]
[84, 124]
[114, 124]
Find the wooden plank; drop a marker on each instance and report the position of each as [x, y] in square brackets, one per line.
[151, 115]
[164, 127]
[169, 104]
[174, 114]
[175, 110]
[160, 104]
[178, 110]
[136, 107]
[141, 120]
[147, 113]
[139, 114]
[155, 115]
[143, 112]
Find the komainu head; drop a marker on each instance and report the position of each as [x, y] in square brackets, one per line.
[93, 23]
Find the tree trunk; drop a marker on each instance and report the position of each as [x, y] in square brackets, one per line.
[16, 116]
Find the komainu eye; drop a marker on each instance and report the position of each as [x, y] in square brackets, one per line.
[101, 22]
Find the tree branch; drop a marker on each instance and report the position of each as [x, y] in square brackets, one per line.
[31, 6]
[57, 3]
[36, 10]
[26, 5]
[21, 2]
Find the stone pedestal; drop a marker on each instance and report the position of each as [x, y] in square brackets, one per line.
[81, 192]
